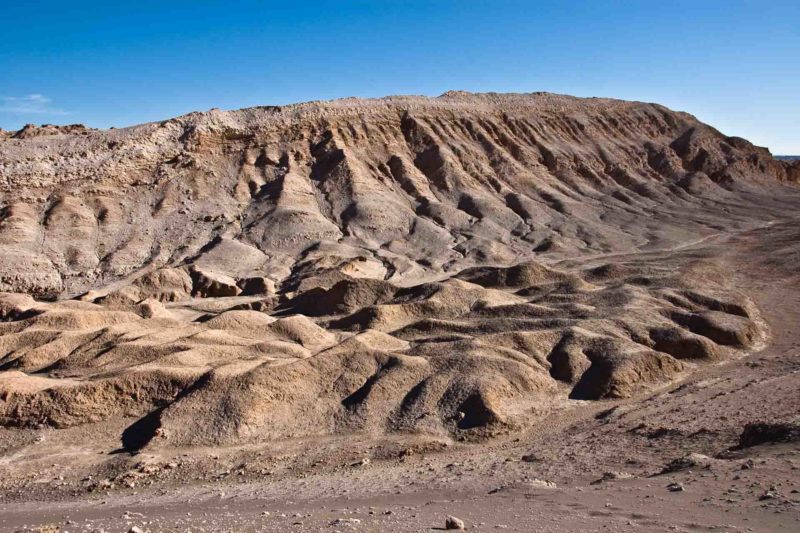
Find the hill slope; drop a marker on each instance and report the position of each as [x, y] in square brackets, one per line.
[419, 185]
[451, 266]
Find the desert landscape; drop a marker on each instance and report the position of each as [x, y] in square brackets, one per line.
[519, 312]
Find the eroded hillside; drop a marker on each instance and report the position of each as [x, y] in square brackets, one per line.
[451, 266]
[410, 186]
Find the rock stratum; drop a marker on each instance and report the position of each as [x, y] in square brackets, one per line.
[454, 266]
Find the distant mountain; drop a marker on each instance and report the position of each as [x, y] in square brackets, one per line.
[788, 157]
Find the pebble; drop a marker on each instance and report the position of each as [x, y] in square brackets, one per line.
[675, 487]
[346, 522]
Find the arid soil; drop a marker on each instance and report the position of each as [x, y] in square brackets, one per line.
[532, 312]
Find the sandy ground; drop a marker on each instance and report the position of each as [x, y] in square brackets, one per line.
[544, 479]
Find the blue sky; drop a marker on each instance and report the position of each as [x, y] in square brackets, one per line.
[734, 64]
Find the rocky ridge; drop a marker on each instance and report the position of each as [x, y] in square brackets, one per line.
[451, 266]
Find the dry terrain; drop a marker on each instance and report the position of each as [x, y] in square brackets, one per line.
[531, 312]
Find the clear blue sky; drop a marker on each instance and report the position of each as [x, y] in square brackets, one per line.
[734, 64]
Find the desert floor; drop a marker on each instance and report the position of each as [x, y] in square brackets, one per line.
[591, 466]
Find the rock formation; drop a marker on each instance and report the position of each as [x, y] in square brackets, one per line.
[399, 264]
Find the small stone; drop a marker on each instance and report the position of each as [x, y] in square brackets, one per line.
[135, 529]
[541, 483]
[612, 476]
[675, 487]
[769, 495]
[352, 522]
[451, 522]
[693, 460]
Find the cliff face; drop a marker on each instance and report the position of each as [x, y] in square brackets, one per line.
[420, 186]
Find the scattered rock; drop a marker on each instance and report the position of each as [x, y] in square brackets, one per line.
[693, 460]
[756, 433]
[771, 494]
[451, 522]
[613, 476]
[675, 487]
[351, 522]
[541, 483]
